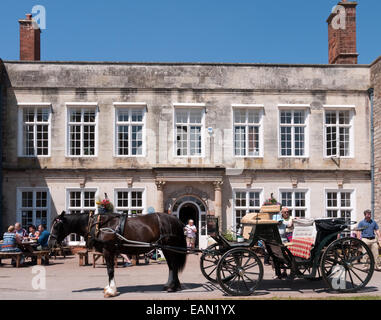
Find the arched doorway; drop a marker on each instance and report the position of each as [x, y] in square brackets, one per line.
[189, 211]
[190, 207]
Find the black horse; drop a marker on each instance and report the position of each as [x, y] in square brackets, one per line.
[155, 228]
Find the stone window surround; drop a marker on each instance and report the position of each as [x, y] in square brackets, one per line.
[352, 191]
[129, 207]
[131, 106]
[249, 106]
[352, 109]
[81, 105]
[19, 191]
[197, 106]
[20, 139]
[307, 207]
[295, 107]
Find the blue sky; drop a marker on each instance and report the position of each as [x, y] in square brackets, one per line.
[247, 31]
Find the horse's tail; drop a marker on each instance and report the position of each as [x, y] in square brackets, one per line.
[172, 232]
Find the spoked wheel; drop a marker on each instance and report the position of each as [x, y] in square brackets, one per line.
[209, 261]
[239, 272]
[347, 265]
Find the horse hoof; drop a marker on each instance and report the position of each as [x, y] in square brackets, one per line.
[165, 288]
[171, 290]
[110, 295]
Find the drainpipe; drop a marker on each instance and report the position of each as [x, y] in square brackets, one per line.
[371, 98]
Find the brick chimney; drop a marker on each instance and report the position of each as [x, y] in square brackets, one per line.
[29, 39]
[342, 34]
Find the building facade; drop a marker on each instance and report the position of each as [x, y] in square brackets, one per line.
[190, 139]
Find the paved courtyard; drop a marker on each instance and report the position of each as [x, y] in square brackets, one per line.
[65, 279]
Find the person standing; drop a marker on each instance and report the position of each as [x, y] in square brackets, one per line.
[190, 232]
[368, 231]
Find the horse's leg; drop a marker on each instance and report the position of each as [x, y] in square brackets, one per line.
[173, 283]
[110, 290]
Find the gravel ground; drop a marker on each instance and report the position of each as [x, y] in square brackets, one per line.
[65, 280]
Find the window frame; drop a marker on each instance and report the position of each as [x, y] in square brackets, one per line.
[307, 208]
[81, 106]
[130, 106]
[68, 208]
[19, 207]
[20, 131]
[247, 107]
[188, 107]
[338, 108]
[247, 207]
[294, 108]
[339, 208]
[130, 208]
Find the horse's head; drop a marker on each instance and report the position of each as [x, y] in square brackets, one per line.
[59, 230]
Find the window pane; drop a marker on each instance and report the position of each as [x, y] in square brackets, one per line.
[299, 141]
[181, 140]
[240, 140]
[137, 115]
[75, 199]
[195, 116]
[330, 117]
[123, 140]
[300, 199]
[89, 199]
[123, 115]
[41, 199]
[43, 115]
[181, 116]
[122, 199]
[239, 116]
[253, 116]
[28, 114]
[75, 140]
[285, 117]
[88, 115]
[136, 199]
[332, 199]
[240, 199]
[345, 199]
[28, 140]
[331, 141]
[75, 115]
[344, 142]
[254, 200]
[286, 141]
[137, 140]
[299, 117]
[27, 199]
[26, 218]
[253, 143]
[286, 198]
[195, 141]
[344, 117]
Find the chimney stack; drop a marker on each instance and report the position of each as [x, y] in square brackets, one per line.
[342, 34]
[29, 39]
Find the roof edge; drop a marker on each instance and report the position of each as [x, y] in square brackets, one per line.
[229, 64]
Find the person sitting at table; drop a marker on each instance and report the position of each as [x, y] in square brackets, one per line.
[20, 231]
[43, 238]
[10, 241]
[32, 232]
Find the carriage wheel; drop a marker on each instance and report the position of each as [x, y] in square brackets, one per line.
[347, 265]
[209, 261]
[239, 272]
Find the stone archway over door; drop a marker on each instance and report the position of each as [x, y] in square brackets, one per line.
[189, 207]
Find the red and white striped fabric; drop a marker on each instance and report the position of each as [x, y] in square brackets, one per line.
[301, 247]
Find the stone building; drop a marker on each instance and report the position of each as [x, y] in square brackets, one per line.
[191, 139]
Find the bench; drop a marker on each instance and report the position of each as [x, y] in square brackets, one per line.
[83, 257]
[61, 251]
[11, 255]
[97, 255]
[40, 254]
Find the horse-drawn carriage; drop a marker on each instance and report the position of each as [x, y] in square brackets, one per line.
[346, 264]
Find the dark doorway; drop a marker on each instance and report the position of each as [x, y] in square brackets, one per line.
[189, 211]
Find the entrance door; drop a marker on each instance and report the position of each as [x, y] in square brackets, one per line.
[191, 210]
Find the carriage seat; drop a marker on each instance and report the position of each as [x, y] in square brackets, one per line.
[303, 239]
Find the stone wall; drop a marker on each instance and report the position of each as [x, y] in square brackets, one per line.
[376, 84]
